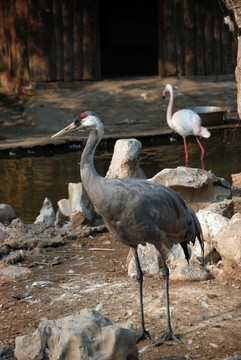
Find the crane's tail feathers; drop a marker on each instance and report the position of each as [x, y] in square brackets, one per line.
[185, 249]
[195, 231]
[204, 132]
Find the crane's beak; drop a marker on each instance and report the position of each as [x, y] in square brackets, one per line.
[67, 129]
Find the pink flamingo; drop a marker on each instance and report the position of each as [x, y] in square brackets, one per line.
[185, 122]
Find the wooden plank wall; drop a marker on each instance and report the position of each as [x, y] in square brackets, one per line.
[194, 39]
[58, 40]
[45, 40]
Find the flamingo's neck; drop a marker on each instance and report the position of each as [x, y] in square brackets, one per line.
[169, 108]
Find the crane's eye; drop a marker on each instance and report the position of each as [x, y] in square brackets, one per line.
[83, 115]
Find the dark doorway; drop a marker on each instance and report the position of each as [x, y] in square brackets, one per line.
[128, 38]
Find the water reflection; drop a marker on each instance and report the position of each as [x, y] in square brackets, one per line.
[26, 181]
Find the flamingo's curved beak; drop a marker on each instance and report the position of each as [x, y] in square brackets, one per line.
[70, 128]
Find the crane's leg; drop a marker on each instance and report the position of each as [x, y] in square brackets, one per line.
[144, 333]
[201, 147]
[185, 148]
[165, 273]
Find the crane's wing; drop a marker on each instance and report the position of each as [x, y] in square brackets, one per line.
[139, 211]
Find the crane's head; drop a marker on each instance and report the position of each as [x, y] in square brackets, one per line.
[86, 121]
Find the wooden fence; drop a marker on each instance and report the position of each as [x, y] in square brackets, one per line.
[48, 40]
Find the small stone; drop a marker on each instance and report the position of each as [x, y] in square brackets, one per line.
[7, 214]
[11, 272]
[99, 307]
[47, 214]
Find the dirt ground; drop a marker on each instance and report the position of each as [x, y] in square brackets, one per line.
[129, 107]
[91, 272]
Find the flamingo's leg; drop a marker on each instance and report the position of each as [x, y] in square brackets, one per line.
[201, 147]
[185, 148]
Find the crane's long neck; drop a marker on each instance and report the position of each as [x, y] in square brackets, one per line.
[169, 108]
[87, 169]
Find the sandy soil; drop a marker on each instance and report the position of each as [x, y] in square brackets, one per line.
[206, 314]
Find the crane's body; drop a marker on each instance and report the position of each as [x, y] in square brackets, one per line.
[135, 211]
[185, 122]
[158, 204]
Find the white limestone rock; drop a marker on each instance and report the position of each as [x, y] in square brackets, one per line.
[195, 185]
[86, 335]
[192, 271]
[149, 258]
[64, 211]
[211, 224]
[224, 208]
[228, 243]
[180, 269]
[47, 214]
[125, 161]
[81, 207]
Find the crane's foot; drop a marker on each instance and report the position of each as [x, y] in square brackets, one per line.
[144, 336]
[168, 336]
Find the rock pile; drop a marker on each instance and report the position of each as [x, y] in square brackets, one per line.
[211, 197]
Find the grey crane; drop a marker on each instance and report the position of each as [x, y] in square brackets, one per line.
[136, 211]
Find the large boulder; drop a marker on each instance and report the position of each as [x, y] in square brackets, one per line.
[224, 208]
[222, 240]
[198, 187]
[180, 269]
[192, 271]
[228, 243]
[86, 335]
[149, 257]
[125, 161]
[212, 224]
